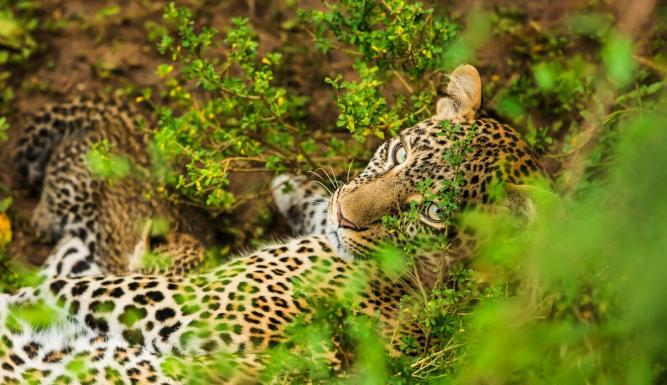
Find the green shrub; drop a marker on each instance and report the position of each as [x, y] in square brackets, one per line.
[241, 120]
[555, 74]
[16, 43]
[390, 41]
[587, 276]
[245, 121]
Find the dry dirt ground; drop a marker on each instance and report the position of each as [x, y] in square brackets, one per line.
[101, 45]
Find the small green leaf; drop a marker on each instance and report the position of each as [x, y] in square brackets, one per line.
[618, 57]
[5, 204]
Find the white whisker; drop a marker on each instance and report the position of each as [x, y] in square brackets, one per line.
[336, 182]
[325, 173]
[324, 187]
[349, 168]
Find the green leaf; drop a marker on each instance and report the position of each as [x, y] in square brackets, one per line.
[545, 76]
[618, 57]
[5, 204]
[4, 127]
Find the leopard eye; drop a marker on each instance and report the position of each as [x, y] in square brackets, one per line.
[399, 154]
[433, 213]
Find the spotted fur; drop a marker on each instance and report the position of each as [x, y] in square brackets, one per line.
[302, 202]
[243, 307]
[99, 225]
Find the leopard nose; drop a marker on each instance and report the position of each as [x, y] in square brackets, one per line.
[342, 221]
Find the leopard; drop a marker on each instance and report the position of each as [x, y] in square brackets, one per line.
[126, 327]
[99, 225]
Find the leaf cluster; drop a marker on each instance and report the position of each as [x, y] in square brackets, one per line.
[393, 41]
[17, 44]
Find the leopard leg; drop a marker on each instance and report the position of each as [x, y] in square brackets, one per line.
[44, 359]
[67, 196]
[67, 212]
[72, 256]
[304, 203]
[47, 128]
[179, 255]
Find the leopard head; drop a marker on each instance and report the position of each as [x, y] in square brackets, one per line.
[455, 147]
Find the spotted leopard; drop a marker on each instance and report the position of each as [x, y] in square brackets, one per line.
[243, 307]
[100, 226]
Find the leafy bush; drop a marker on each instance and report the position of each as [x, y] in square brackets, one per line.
[16, 43]
[245, 120]
[241, 120]
[556, 74]
[582, 307]
[391, 40]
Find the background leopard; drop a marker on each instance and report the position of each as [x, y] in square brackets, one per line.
[243, 306]
[100, 225]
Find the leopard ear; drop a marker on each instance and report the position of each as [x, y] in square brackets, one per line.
[464, 95]
[519, 202]
[522, 201]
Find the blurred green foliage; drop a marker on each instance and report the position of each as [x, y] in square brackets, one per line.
[17, 45]
[17, 22]
[4, 126]
[102, 162]
[586, 281]
[8, 277]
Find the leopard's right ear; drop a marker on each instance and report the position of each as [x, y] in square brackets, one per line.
[464, 95]
[525, 201]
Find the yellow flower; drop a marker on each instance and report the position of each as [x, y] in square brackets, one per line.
[5, 230]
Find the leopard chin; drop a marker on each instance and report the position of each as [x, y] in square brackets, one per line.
[340, 249]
